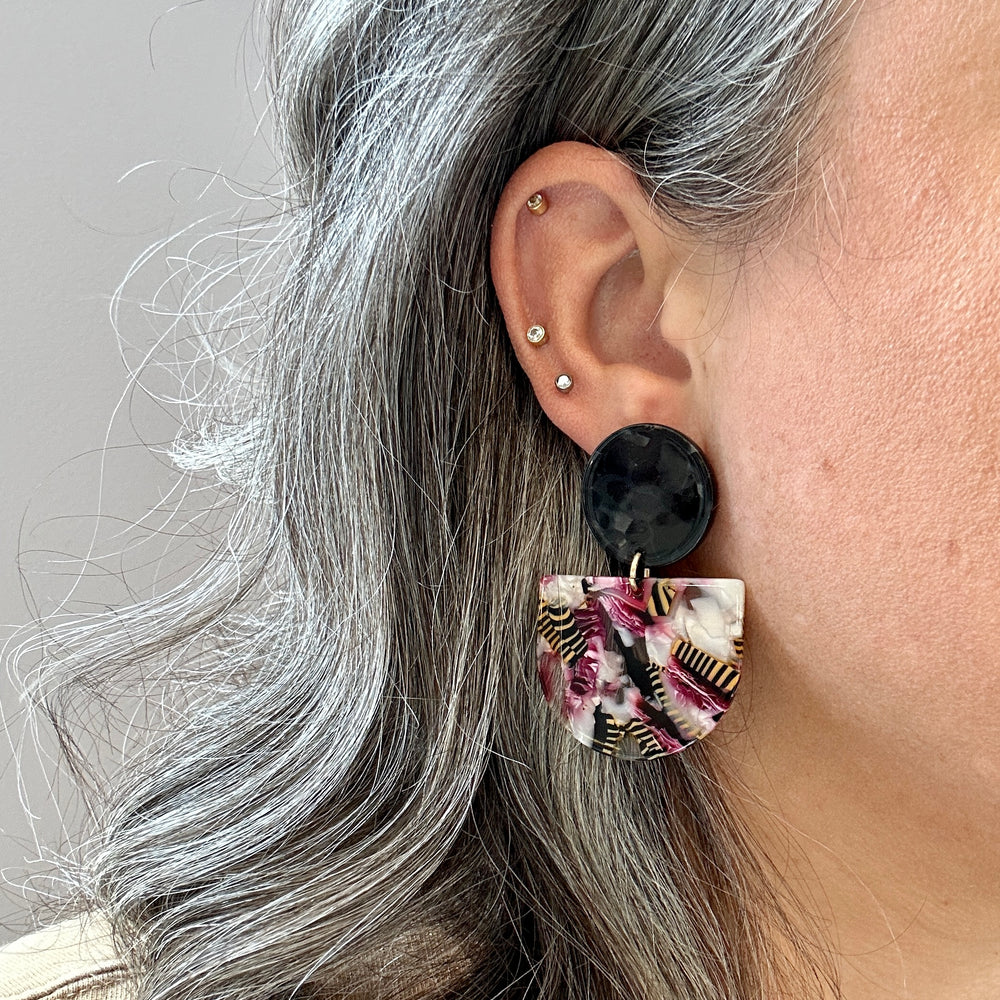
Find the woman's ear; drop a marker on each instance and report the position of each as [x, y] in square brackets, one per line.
[624, 298]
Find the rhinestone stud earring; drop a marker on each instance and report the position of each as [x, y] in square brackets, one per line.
[537, 204]
[536, 335]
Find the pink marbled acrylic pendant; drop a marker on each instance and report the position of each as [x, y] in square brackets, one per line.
[643, 671]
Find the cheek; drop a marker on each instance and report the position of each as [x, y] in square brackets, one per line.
[857, 443]
[860, 414]
[856, 423]
[869, 477]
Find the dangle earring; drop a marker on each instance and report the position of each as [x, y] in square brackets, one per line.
[641, 666]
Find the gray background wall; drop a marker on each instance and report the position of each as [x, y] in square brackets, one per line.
[90, 91]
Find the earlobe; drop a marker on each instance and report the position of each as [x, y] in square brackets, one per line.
[603, 304]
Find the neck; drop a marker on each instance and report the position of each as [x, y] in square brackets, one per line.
[890, 847]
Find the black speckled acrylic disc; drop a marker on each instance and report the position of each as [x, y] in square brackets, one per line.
[648, 489]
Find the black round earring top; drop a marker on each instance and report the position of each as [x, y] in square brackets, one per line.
[648, 489]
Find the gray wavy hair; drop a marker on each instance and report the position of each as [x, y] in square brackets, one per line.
[360, 793]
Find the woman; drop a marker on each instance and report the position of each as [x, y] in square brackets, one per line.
[766, 223]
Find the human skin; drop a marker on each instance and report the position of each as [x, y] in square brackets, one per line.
[843, 376]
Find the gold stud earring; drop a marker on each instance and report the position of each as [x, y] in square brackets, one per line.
[537, 204]
[564, 383]
[536, 335]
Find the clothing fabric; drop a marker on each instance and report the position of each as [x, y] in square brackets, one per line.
[72, 960]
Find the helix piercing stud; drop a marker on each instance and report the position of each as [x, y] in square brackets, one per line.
[537, 204]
